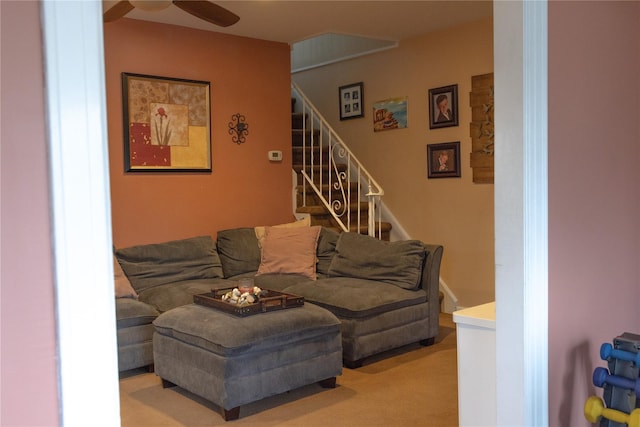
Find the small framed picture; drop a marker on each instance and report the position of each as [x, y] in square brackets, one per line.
[390, 114]
[443, 160]
[443, 107]
[351, 101]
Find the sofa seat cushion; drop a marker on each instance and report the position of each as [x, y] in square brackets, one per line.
[276, 282]
[130, 312]
[392, 319]
[157, 264]
[227, 335]
[172, 295]
[356, 298]
[364, 257]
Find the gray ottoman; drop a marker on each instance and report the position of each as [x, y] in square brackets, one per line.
[232, 361]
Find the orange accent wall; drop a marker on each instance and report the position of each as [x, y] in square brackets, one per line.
[247, 76]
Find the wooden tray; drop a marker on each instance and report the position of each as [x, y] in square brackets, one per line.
[269, 301]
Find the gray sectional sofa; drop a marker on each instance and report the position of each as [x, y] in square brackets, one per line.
[385, 294]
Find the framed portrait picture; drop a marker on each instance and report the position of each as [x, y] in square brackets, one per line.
[166, 123]
[443, 160]
[443, 107]
[351, 101]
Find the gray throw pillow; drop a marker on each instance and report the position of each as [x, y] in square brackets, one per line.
[326, 249]
[364, 257]
[239, 251]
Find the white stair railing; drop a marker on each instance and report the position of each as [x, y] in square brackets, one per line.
[330, 176]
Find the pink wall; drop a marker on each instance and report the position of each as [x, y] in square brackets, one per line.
[28, 352]
[247, 76]
[594, 193]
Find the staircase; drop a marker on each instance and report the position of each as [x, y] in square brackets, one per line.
[332, 187]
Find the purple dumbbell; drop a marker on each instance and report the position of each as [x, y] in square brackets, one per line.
[601, 376]
[607, 351]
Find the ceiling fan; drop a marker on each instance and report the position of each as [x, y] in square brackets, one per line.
[203, 9]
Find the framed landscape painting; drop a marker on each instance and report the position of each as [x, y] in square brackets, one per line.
[390, 114]
[166, 124]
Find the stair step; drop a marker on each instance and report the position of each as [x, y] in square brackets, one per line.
[297, 136]
[353, 186]
[315, 177]
[308, 153]
[341, 167]
[296, 120]
[320, 210]
[313, 199]
[364, 229]
[317, 171]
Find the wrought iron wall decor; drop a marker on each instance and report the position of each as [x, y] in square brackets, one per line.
[238, 128]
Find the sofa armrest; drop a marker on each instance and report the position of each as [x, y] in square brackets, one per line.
[431, 284]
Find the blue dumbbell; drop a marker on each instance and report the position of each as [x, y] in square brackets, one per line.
[607, 351]
[601, 376]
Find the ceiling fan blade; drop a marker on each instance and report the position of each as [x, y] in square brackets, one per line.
[117, 11]
[208, 11]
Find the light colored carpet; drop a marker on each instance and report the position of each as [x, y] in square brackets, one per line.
[411, 386]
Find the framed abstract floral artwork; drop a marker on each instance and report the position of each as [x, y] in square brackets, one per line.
[166, 124]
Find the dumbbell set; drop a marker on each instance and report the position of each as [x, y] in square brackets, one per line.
[620, 405]
[594, 409]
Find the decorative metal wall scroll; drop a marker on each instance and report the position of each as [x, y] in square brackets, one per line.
[238, 128]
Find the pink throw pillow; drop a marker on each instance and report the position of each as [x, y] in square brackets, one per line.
[290, 251]
[122, 285]
[260, 230]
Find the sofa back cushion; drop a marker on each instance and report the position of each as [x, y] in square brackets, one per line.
[239, 251]
[364, 257]
[326, 250]
[156, 264]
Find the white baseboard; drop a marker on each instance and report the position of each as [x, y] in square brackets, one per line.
[450, 302]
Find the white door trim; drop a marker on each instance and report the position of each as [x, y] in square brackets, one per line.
[81, 213]
[521, 212]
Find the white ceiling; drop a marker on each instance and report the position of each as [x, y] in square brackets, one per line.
[293, 21]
